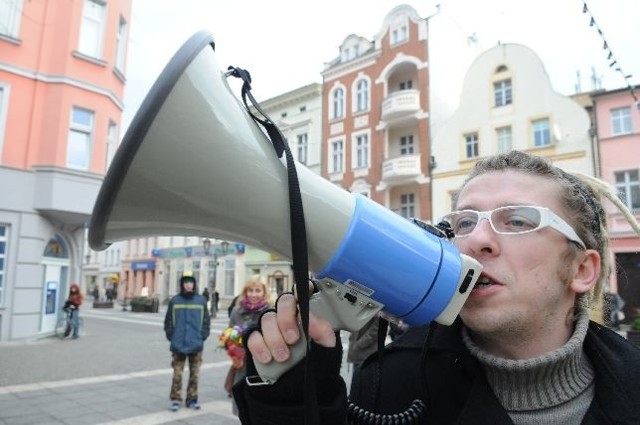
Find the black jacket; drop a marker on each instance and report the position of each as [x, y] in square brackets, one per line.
[451, 383]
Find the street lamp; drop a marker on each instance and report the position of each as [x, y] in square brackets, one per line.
[224, 247]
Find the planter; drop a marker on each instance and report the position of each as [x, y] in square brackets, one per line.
[103, 304]
[144, 305]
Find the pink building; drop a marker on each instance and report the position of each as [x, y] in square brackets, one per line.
[62, 67]
[617, 117]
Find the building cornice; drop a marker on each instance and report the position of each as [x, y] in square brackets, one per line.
[61, 79]
[301, 94]
[346, 68]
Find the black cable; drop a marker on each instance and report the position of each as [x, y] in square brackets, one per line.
[411, 416]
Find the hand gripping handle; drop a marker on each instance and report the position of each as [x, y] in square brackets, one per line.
[343, 306]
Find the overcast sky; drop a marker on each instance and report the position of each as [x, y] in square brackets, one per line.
[285, 43]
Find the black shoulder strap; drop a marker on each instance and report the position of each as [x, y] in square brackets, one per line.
[298, 235]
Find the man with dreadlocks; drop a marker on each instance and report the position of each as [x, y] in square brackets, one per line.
[523, 350]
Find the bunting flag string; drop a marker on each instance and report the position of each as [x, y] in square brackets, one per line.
[613, 61]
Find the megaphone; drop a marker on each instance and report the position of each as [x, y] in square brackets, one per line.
[194, 162]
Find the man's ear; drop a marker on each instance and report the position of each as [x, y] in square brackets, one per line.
[587, 272]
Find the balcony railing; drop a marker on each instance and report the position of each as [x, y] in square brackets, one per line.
[401, 168]
[400, 104]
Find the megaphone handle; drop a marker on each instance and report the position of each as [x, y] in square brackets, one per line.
[269, 373]
[344, 308]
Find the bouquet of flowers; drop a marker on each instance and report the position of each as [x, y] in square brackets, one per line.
[231, 340]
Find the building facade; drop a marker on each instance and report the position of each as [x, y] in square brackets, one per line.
[617, 119]
[508, 103]
[298, 115]
[62, 79]
[375, 102]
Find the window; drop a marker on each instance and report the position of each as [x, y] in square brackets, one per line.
[503, 134]
[362, 151]
[10, 14]
[338, 103]
[541, 133]
[406, 85]
[79, 143]
[628, 185]
[3, 256]
[471, 145]
[453, 199]
[406, 145]
[121, 44]
[92, 29]
[407, 205]
[502, 91]
[400, 34]
[229, 275]
[621, 121]
[337, 155]
[303, 147]
[111, 143]
[362, 96]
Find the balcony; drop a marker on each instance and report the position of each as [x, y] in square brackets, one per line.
[401, 168]
[65, 195]
[400, 104]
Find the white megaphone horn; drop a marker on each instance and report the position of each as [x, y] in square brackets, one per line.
[194, 162]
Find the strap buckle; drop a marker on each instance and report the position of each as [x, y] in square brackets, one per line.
[256, 381]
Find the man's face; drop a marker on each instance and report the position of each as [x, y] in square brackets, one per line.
[523, 290]
[188, 286]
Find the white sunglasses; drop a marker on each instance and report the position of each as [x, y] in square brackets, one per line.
[511, 220]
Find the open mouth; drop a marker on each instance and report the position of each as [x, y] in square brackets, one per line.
[484, 282]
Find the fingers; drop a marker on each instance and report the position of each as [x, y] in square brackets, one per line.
[280, 329]
[321, 331]
[287, 315]
[256, 342]
[277, 331]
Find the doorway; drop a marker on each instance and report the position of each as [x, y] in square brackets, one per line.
[55, 284]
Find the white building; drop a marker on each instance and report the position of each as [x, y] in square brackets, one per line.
[508, 103]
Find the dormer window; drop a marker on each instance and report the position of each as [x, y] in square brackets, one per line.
[399, 34]
[502, 92]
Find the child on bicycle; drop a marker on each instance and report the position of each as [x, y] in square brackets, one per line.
[72, 306]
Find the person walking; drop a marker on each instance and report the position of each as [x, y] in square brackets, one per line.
[215, 300]
[187, 326]
[205, 294]
[72, 305]
[523, 349]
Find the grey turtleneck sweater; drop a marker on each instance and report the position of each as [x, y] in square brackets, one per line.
[555, 388]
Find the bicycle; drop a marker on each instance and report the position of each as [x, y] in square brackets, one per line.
[63, 326]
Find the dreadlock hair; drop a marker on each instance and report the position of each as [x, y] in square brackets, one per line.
[582, 202]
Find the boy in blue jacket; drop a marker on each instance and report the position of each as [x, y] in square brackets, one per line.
[187, 326]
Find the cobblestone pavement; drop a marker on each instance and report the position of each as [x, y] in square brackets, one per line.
[117, 373]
